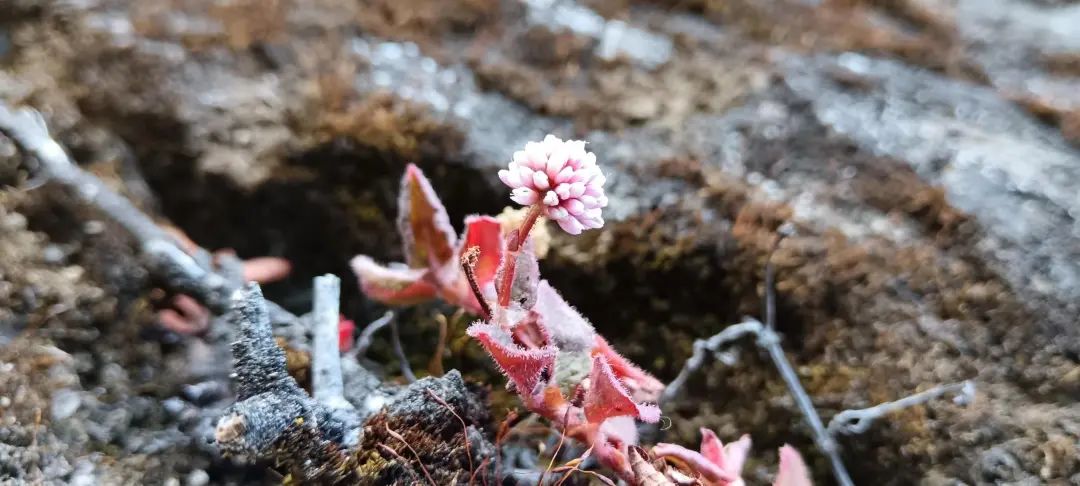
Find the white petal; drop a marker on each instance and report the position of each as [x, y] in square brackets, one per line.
[557, 213]
[524, 196]
[598, 180]
[589, 160]
[563, 190]
[551, 199]
[577, 189]
[540, 181]
[571, 225]
[588, 201]
[510, 178]
[556, 161]
[520, 157]
[565, 175]
[601, 201]
[574, 207]
[524, 174]
[537, 155]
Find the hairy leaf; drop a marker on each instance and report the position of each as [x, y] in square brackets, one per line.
[425, 228]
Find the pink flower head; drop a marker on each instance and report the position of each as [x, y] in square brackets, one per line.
[562, 176]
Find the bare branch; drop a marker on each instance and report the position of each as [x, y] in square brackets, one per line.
[326, 382]
[364, 341]
[395, 338]
[850, 422]
[703, 347]
[181, 271]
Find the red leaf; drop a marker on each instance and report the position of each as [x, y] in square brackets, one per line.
[524, 367]
[607, 398]
[423, 223]
[485, 233]
[392, 286]
[643, 386]
[346, 328]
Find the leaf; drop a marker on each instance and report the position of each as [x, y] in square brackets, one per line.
[729, 458]
[425, 228]
[524, 367]
[707, 469]
[606, 397]
[643, 386]
[389, 285]
[485, 233]
[568, 329]
[793, 471]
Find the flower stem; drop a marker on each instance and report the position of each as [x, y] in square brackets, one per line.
[513, 246]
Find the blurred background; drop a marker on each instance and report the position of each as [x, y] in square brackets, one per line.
[927, 152]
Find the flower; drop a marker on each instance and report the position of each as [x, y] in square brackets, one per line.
[563, 177]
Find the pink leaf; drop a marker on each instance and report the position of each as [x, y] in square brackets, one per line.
[524, 367]
[712, 448]
[425, 228]
[569, 331]
[485, 233]
[708, 470]
[735, 454]
[729, 458]
[393, 286]
[793, 471]
[607, 398]
[643, 386]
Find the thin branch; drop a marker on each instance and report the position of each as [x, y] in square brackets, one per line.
[326, 382]
[364, 341]
[850, 422]
[180, 270]
[702, 348]
[395, 338]
[415, 454]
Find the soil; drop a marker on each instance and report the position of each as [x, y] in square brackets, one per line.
[924, 151]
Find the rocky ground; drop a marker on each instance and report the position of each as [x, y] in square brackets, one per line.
[926, 151]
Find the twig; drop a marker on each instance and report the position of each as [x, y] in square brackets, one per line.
[850, 422]
[435, 364]
[395, 337]
[464, 431]
[703, 347]
[183, 272]
[558, 448]
[326, 382]
[364, 341]
[397, 455]
[768, 339]
[410, 448]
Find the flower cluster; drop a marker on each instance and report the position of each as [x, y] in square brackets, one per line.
[561, 176]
